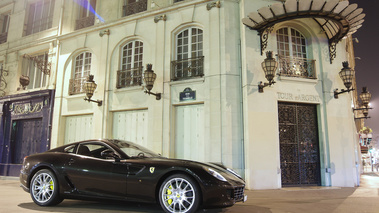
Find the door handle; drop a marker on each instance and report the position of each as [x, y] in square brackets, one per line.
[71, 161]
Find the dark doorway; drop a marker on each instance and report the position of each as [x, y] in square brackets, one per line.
[299, 144]
[25, 128]
[26, 139]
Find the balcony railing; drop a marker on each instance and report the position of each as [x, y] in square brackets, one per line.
[85, 22]
[130, 77]
[135, 7]
[187, 68]
[3, 37]
[297, 67]
[76, 86]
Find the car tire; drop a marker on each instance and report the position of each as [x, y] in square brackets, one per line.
[44, 188]
[179, 193]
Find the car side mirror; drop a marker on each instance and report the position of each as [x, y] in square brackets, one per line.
[109, 154]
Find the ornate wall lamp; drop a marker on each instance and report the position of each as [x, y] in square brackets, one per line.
[160, 17]
[365, 97]
[104, 32]
[269, 66]
[89, 87]
[213, 4]
[149, 77]
[347, 76]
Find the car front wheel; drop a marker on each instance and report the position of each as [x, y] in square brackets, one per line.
[179, 193]
[44, 188]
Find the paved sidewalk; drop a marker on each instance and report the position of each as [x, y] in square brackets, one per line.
[296, 200]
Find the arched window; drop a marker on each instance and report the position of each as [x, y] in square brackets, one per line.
[292, 54]
[189, 54]
[131, 65]
[82, 69]
[291, 43]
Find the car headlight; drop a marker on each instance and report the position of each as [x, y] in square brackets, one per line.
[215, 174]
[234, 172]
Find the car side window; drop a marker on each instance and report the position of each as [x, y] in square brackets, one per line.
[69, 149]
[92, 150]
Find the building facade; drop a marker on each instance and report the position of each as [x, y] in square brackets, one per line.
[207, 59]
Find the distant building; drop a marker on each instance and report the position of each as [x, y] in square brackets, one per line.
[207, 59]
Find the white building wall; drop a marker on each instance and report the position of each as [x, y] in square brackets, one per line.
[240, 124]
[218, 90]
[337, 142]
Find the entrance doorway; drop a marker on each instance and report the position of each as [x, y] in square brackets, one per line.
[299, 144]
[189, 132]
[26, 139]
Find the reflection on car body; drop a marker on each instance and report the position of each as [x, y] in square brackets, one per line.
[121, 170]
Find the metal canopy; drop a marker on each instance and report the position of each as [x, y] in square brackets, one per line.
[336, 18]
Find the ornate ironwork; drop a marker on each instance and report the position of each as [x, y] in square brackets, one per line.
[41, 62]
[263, 34]
[332, 51]
[3, 83]
[76, 86]
[299, 145]
[85, 22]
[297, 67]
[334, 19]
[3, 37]
[187, 68]
[26, 108]
[129, 77]
[135, 7]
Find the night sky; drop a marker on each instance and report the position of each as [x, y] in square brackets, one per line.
[367, 68]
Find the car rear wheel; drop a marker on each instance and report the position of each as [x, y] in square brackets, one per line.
[44, 188]
[179, 193]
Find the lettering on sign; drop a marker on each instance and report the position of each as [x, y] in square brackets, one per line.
[187, 95]
[298, 97]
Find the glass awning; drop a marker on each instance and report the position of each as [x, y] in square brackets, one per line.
[337, 19]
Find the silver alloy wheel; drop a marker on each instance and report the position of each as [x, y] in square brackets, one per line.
[178, 195]
[43, 187]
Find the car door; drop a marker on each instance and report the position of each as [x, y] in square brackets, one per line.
[94, 175]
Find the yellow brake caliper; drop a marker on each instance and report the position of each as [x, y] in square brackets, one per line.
[51, 185]
[168, 192]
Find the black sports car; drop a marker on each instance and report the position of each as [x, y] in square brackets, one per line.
[115, 169]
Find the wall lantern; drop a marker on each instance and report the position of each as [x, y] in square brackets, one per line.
[365, 97]
[149, 77]
[89, 87]
[347, 76]
[269, 66]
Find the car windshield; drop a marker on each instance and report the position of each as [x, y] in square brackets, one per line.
[133, 150]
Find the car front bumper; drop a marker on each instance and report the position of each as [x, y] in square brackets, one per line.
[223, 196]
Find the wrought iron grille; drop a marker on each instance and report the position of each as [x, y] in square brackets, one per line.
[135, 7]
[187, 68]
[85, 22]
[297, 67]
[3, 83]
[76, 86]
[299, 145]
[129, 77]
